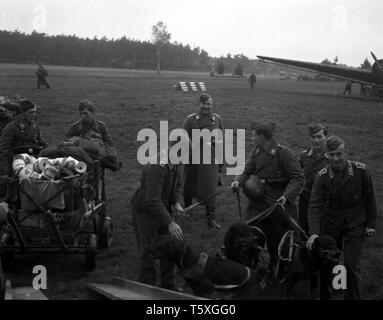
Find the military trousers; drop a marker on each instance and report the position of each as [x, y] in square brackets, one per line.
[303, 211]
[42, 81]
[351, 241]
[147, 230]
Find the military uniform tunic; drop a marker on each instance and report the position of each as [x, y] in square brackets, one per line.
[161, 187]
[201, 180]
[311, 163]
[278, 167]
[15, 137]
[342, 204]
[3, 122]
[96, 129]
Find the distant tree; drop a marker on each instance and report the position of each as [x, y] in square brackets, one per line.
[238, 70]
[161, 36]
[366, 65]
[220, 67]
[326, 61]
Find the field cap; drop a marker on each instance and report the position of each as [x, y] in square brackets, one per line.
[316, 127]
[204, 97]
[86, 104]
[333, 143]
[266, 126]
[26, 104]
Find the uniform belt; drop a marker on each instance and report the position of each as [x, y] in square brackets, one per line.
[275, 182]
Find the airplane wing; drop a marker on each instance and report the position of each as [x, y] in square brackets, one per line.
[346, 73]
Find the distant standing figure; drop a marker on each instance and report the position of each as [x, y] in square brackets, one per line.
[41, 74]
[347, 88]
[252, 80]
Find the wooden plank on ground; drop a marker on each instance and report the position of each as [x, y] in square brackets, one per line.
[152, 292]
[124, 289]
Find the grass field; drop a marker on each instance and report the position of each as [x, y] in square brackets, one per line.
[130, 100]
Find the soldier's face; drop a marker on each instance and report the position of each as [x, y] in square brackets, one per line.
[86, 116]
[337, 158]
[30, 115]
[318, 140]
[3, 112]
[256, 138]
[206, 107]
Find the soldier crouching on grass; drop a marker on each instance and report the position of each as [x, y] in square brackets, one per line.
[343, 206]
[160, 189]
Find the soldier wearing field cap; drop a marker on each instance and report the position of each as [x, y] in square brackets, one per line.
[20, 136]
[89, 127]
[5, 116]
[311, 160]
[201, 180]
[343, 206]
[274, 169]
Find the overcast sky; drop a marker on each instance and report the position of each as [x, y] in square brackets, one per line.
[294, 29]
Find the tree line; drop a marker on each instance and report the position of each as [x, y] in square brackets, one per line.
[19, 47]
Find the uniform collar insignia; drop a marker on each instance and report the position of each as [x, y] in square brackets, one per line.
[310, 153]
[349, 168]
[271, 147]
[197, 116]
[331, 172]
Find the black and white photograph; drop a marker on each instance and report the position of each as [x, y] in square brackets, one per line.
[191, 154]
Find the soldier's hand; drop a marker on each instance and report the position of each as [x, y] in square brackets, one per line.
[235, 186]
[370, 232]
[175, 230]
[178, 208]
[310, 241]
[282, 200]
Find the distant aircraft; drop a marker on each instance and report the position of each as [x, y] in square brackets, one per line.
[373, 77]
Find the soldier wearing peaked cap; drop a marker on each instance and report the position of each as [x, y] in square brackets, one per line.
[343, 206]
[20, 136]
[273, 169]
[311, 160]
[201, 180]
[160, 189]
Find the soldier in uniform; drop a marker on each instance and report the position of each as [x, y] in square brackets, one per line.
[252, 80]
[160, 189]
[5, 116]
[311, 160]
[343, 206]
[275, 167]
[20, 136]
[201, 180]
[41, 74]
[88, 127]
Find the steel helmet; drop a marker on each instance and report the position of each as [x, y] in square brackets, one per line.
[253, 188]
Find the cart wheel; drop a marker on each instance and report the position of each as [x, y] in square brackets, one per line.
[90, 254]
[7, 260]
[105, 237]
